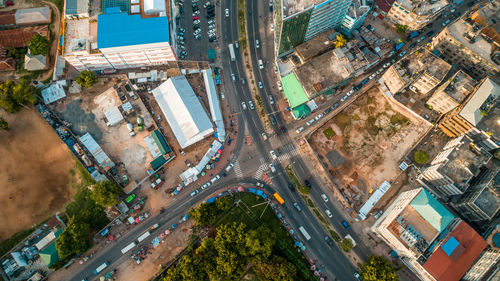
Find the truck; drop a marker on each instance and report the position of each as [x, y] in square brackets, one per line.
[143, 236]
[100, 268]
[304, 232]
[399, 46]
[128, 247]
[231, 52]
[413, 34]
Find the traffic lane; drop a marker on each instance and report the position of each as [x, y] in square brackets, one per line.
[330, 259]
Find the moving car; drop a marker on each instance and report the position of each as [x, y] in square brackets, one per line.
[257, 44]
[291, 187]
[261, 85]
[346, 225]
[324, 197]
[273, 169]
[226, 11]
[271, 99]
[308, 183]
[297, 206]
[328, 213]
[243, 105]
[251, 104]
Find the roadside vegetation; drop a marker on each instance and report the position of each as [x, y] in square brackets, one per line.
[295, 180]
[249, 243]
[378, 268]
[86, 79]
[14, 95]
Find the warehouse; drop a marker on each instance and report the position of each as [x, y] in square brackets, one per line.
[182, 109]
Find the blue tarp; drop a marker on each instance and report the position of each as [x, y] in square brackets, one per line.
[174, 226]
[104, 232]
[251, 190]
[259, 192]
[264, 195]
[211, 200]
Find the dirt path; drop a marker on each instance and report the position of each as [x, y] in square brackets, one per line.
[34, 172]
[55, 27]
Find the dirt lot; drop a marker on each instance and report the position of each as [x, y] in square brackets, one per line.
[371, 137]
[34, 172]
[166, 251]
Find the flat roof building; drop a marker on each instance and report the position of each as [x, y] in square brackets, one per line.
[181, 107]
[77, 8]
[415, 14]
[429, 239]
[452, 93]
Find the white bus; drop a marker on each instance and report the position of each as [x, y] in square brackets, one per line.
[143, 236]
[231, 52]
[100, 268]
[304, 232]
[128, 247]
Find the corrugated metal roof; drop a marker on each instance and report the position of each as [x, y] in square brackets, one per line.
[113, 115]
[185, 114]
[100, 156]
[52, 93]
[431, 210]
[121, 29]
[76, 7]
[33, 15]
[19, 37]
[370, 203]
[213, 100]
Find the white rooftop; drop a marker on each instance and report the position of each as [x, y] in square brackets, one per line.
[182, 109]
[488, 91]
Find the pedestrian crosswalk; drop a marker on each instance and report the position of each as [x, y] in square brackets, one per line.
[286, 152]
[237, 169]
[260, 171]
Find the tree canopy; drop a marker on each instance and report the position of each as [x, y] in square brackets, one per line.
[13, 96]
[340, 41]
[3, 124]
[378, 268]
[421, 157]
[401, 28]
[205, 214]
[39, 45]
[346, 245]
[86, 79]
[106, 193]
[276, 270]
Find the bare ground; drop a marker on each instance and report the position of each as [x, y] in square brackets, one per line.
[34, 172]
[372, 136]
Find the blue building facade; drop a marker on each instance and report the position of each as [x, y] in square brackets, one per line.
[325, 16]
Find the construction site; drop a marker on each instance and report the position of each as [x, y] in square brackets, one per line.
[362, 146]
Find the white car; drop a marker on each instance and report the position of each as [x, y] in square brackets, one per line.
[211, 22]
[328, 213]
[243, 105]
[259, 184]
[227, 13]
[273, 169]
[279, 85]
[310, 122]
[229, 167]
[196, 22]
[273, 154]
[271, 99]
[299, 130]
[272, 27]
[195, 192]
[372, 76]
[214, 179]
[380, 71]
[387, 65]
[324, 197]
[257, 44]
[350, 92]
[319, 116]
[233, 77]
[344, 98]
[251, 104]
[207, 184]
[261, 85]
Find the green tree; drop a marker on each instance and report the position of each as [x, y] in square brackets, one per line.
[13, 96]
[401, 28]
[276, 270]
[421, 157]
[3, 124]
[205, 214]
[497, 154]
[378, 268]
[191, 269]
[223, 203]
[39, 45]
[75, 238]
[106, 193]
[86, 79]
[346, 245]
[260, 243]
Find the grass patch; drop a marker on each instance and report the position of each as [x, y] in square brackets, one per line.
[329, 133]
[295, 180]
[253, 214]
[371, 127]
[399, 118]
[342, 120]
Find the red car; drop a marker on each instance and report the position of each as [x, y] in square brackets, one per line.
[196, 17]
[9, 3]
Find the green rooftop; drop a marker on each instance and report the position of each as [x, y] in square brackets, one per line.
[431, 210]
[49, 255]
[293, 90]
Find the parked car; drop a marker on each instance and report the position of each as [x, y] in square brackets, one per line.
[196, 17]
[279, 85]
[310, 122]
[197, 21]
[273, 169]
[214, 179]
[319, 116]
[229, 167]
[207, 184]
[387, 65]
[402, 54]
[195, 192]
[299, 130]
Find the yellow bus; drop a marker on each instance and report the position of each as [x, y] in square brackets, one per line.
[278, 197]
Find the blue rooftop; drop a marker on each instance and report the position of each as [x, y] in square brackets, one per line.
[431, 210]
[450, 245]
[115, 29]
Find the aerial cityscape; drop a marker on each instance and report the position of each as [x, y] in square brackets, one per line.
[286, 140]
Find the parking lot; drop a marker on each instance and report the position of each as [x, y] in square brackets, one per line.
[196, 21]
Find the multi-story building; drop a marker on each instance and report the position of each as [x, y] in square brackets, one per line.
[473, 42]
[477, 114]
[299, 21]
[451, 93]
[117, 40]
[451, 171]
[356, 15]
[484, 267]
[428, 238]
[420, 70]
[415, 14]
